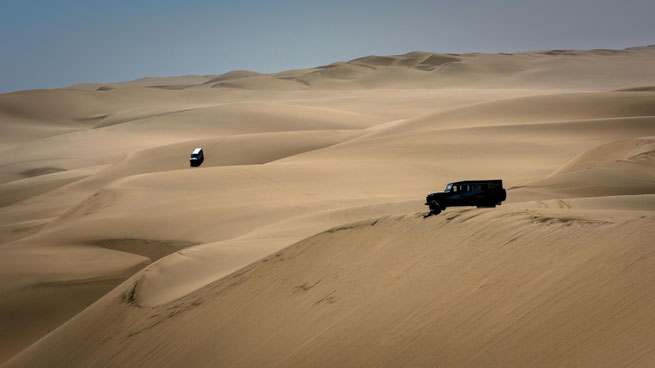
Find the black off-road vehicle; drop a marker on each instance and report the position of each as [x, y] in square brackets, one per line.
[479, 193]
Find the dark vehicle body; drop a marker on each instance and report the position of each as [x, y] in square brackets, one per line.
[479, 193]
[197, 157]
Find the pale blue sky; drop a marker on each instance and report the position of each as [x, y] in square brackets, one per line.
[55, 43]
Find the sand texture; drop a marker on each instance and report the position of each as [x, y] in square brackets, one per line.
[301, 241]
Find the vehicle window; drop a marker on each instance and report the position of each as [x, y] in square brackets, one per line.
[454, 188]
[448, 188]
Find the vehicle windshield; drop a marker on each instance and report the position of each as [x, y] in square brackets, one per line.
[194, 156]
[448, 187]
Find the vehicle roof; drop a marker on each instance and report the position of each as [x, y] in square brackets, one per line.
[197, 150]
[495, 181]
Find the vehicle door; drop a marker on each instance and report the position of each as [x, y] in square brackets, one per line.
[457, 195]
[469, 192]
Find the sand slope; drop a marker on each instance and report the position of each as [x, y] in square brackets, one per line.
[401, 291]
[96, 190]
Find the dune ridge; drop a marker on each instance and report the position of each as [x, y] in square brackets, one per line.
[477, 70]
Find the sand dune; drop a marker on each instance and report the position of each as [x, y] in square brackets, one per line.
[183, 81]
[618, 168]
[635, 149]
[593, 69]
[332, 164]
[400, 290]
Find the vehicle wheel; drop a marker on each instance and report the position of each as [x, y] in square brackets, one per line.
[435, 209]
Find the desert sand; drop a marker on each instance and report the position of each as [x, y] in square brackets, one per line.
[301, 240]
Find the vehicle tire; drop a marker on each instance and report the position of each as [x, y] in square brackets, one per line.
[435, 209]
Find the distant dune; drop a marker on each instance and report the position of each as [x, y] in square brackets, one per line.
[573, 69]
[301, 240]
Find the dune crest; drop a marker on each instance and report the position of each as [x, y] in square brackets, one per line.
[637, 149]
